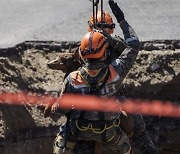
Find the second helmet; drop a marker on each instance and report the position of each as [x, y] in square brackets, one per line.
[106, 24]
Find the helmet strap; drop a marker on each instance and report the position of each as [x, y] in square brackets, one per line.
[96, 81]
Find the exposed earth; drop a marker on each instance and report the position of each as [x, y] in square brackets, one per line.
[23, 129]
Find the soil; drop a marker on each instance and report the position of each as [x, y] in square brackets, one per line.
[23, 129]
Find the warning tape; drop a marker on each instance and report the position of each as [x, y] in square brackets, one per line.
[94, 103]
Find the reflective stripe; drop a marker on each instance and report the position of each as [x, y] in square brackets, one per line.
[111, 88]
[106, 89]
[115, 123]
[80, 86]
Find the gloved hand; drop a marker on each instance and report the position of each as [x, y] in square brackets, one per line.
[47, 110]
[50, 109]
[116, 11]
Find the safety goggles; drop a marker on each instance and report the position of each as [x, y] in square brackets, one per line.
[105, 25]
[102, 25]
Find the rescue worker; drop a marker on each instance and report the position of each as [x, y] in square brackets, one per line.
[106, 26]
[140, 137]
[98, 77]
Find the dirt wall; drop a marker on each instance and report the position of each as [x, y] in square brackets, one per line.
[23, 129]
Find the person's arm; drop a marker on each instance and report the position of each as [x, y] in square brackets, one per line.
[125, 61]
[54, 107]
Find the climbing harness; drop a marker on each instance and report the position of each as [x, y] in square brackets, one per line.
[94, 81]
[94, 126]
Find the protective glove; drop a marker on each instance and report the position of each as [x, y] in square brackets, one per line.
[50, 109]
[116, 11]
[47, 110]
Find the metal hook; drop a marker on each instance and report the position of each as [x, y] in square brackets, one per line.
[95, 3]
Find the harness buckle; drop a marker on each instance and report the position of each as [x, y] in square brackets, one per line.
[117, 122]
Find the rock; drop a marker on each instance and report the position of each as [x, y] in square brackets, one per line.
[154, 67]
[149, 47]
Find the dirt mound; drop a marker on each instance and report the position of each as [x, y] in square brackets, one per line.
[155, 75]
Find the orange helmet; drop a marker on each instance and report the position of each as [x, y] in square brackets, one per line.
[93, 45]
[107, 24]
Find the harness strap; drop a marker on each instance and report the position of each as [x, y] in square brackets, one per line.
[104, 82]
[115, 139]
[98, 148]
[93, 82]
[103, 135]
[76, 133]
